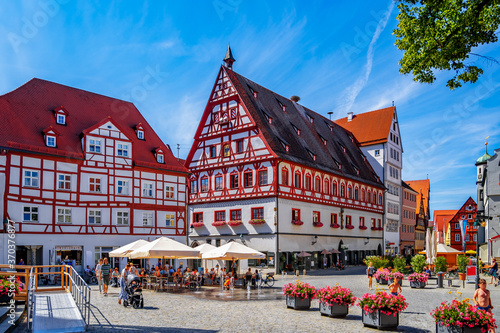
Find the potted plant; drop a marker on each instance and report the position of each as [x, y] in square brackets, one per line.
[381, 310]
[234, 223]
[297, 222]
[394, 275]
[382, 275]
[460, 317]
[440, 264]
[257, 221]
[197, 224]
[219, 223]
[378, 261]
[299, 295]
[9, 288]
[335, 301]
[399, 263]
[418, 280]
[418, 263]
[462, 261]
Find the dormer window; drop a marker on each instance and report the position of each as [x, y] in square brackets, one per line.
[50, 137]
[61, 119]
[50, 141]
[159, 158]
[140, 131]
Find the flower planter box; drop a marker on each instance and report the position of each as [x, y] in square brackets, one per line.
[381, 281]
[334, 310]
[417, 284]
[440, 328]
[257, 221]
[390, 281]
[379, 320]
[298, 303]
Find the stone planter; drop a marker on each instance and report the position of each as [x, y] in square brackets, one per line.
[440, 328]
[379, 320]
[390, 281]
[298, 303]
[381, 281]
[334, 310]
[417, 284]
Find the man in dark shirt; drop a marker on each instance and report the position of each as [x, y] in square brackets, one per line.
[493, 271]
[105, 273]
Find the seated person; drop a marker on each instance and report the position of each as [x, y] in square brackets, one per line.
[115, 276]
[142, 273]
[248, 276]
[178, 277]
[171, 271]
[427, 271]
[157, 272]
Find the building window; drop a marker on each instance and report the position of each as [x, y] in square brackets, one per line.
[95, 185]
[380, 199]
[218, 183]
[220, 216]
[194, 186]
[248, 178]
[31, 178]
[374, 223]
[147, 218]
[122, 187]
[284, 177]
[170, 220]
[122, 218]
[308, 182]
[295, 214]
[316, 217]
[262, 177]
[361, 221]
[94, 146]
[457, 226]
[94, 217]
[326, 187]
[61, 119]
[64, 182]
[234, 180]
[212, 151]
[349, 192]
[258, 213]
[239, 146]
[147, 190]
[317, 184]
[169, 192]
[342, 191]
[334, 189]
[377, 152]
[30, 214]
[122, 150]
[198, 217]
[348, 220]
[333, 218]
[160, 159]
[379, 223]
[469, 216]
[297, 179]
[204, 184]
[51, 141]
[63, 215]
[374, 198]
[140, 135]
[235, 215]
[457, 237]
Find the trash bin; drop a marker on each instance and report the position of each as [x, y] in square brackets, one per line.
[440, 276]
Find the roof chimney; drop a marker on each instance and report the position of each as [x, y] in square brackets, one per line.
[295, 98]
[349, 116]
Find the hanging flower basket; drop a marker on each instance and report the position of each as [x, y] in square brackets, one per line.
[334, 225]
[335, 301]
[317, 224]
[362, 227]
[257, 221]
[219, 223]
[299, 295]
[234, 223]
[349, 226]
[197, 224]
[461, 316]
[381, 310]
[297, 222]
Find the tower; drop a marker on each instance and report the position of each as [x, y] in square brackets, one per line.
[229, 59]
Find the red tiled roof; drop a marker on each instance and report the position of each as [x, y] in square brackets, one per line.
[370, 127]
[29, 109]
[423, 188]
[442, 218]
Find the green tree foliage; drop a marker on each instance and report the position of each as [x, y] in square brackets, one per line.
[418, 263]
[378, 262]
[462, 262]
[441, 265]
[399, 264]
[439, 35]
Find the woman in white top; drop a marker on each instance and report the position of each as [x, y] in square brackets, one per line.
[98, 275]
[123, 279]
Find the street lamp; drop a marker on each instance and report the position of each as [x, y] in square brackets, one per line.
[477, 225]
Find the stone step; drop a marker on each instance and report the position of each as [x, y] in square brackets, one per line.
[9, 324]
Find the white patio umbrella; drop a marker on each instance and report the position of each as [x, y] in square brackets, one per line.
[164, 247]
[124, 251]
[428, 246]
[434, 246]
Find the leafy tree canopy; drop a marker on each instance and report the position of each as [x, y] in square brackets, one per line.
[440, 34]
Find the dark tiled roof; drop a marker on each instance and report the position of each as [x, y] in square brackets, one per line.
[29, 109]
[282, 131]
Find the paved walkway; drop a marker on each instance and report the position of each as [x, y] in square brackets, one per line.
[214, 311]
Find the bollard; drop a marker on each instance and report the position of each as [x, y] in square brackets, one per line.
[297, 272]
[304, 271]
[440, 279]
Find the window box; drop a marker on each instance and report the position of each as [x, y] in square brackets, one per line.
[234, 223]
[335, 225]
[362, 227]
[297, 222]
[197, 224]
[219, 223]
[317, 224]
[257, 221]
[349, 226]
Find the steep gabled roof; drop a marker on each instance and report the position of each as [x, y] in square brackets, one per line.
[29, 109]
[423, 188]
[370, 127]
[442, 218]
[309, 147]
[405, 185]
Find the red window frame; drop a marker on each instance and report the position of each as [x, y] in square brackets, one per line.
[361, 221]
[263, 180]
[284, 177]
[258, 213]
[217, 187]
[342, 190]
[198, 217]
[235, 217]
[374, 198]
[334, 189]
[205, 187]
[239, 146]
[213, 152]
[194, 186]
[220, 216]
[356, 194]
[248, 178]
[374, 223]
[95, 185]
[317, 184]
[308, 182]
[380, 199]
[380, 223]
[295, 214]
[349, 192]
[316, 216]
[297, 180]
[234, 178]
[348, 220]
[326, 187]
[363, 195]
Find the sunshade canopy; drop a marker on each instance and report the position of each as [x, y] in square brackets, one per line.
[125, 250]
[233, 251]
[304, 254]
[164, 247]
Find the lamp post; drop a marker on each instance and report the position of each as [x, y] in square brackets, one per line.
[477, 225]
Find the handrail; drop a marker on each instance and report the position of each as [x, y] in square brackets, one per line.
[80, 291]
[31, 290]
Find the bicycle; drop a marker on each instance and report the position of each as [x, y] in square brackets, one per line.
[269, 280]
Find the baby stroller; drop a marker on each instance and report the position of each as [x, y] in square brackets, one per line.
[134, 292]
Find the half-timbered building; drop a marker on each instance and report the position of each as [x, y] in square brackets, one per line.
[464, 240]
[81, 174]
[280, 177]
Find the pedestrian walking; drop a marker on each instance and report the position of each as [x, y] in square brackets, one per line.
[123, 280]
[369, 272]
[395, 287]
[105, 275]
[493, 271]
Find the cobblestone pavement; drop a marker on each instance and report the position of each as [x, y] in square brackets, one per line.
[232, 312]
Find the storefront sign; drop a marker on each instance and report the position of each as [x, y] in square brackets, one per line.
[69, 248]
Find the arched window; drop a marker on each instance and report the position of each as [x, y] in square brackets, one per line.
[342, 191]
[326, 187]
[317, 184]
[374, 199]
[334, 189]
[308, 182]
[356, 191]
[349, 192]
[363, 194]
[380, 199]
[297, 179]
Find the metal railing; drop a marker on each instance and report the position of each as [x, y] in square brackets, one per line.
[80, 291]
[30, 296]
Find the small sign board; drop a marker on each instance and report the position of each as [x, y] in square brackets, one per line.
[471, 273]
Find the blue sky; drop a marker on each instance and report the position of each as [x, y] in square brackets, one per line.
[337, 56]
